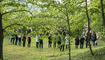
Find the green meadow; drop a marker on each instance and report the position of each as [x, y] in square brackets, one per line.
[13, 52]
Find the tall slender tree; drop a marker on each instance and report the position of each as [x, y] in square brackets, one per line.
[68, 25]
[1, 38]
[102, 12]
[88, 28]
[1, 35]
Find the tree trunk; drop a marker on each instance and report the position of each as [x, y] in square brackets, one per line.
[1, 38]
[102, 12]
[69, 36]
[89, 29]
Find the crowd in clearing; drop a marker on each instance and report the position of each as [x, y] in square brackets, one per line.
[60, 39]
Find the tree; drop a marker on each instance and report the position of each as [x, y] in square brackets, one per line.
[65, 9]
[1, 38]
[1, 35]
[1, 29]
[88, 28]
[102, 12]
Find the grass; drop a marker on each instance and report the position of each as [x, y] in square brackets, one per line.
[12, 52]
[99, 55]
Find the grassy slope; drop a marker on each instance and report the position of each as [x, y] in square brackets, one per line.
[12, 52]
[99, 55]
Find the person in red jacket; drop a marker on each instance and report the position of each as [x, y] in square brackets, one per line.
[29, 41]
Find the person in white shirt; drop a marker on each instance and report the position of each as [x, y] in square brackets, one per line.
[19, 37]
[37, 41]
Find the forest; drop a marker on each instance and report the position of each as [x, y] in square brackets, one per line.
[52, 30]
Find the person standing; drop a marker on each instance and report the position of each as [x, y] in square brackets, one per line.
[86, 41]
[49, 40]
[29, 41]
[24, 40]
[86, 35]
[63, 41]
[16, 39]
[82, 42]
[76, 41]
[10, 35]
[12, 39]
[55, 38]
[19, 37]
[59, 41]
[94, 38]
[37, 41]
[59, 35]
[41, 41]
[96, 43]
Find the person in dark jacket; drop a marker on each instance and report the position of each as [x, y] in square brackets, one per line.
[59, 42]
[82, 42]
[16, 39]
[86, 41]
[24, 40]
[55, 38]
[49, 40]
[29, 41]
[40, 41]
[12, 39]
[76, 41]
[93, 37]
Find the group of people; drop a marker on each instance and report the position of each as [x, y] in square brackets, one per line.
[85, 39]
[58, 39]
[18, 39]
